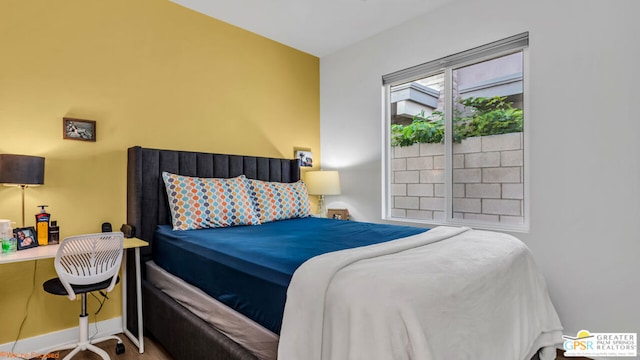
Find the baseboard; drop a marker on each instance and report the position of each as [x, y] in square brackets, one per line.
[37, 345]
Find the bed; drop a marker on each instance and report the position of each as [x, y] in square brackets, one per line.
[189, 328]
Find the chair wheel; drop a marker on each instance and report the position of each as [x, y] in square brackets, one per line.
[119, 348]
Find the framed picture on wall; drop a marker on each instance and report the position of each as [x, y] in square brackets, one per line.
[78, 129]
[305, 157]
[25, 237]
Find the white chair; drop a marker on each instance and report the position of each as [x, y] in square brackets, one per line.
[84, 264]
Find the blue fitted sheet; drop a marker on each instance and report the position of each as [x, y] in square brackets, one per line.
[249, 268]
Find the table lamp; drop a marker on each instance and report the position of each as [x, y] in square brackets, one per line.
[22, 171]
[322, 183]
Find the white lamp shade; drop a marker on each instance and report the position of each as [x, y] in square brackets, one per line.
[322, 182]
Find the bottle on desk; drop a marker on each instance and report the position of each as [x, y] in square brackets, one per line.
[42, 226]
[54, 233]
[6, 236]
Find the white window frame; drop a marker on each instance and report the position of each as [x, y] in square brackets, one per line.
[446, 65]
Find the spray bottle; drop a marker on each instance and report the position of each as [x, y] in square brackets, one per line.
[42, 226]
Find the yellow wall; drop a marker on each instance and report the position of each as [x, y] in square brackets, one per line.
[151, 73]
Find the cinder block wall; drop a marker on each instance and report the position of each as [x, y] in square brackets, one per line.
[488, 180]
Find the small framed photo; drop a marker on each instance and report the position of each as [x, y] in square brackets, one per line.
[338, 214]
[25, 237]
[78, 129]
[305, 157]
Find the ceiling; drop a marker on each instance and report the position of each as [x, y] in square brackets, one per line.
[318, 27]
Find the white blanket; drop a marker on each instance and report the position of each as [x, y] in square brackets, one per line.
[449, 293]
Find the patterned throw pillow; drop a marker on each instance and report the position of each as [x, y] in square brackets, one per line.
[198, 203]
[278, 201]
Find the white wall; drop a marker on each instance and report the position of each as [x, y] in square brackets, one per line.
[584, 122]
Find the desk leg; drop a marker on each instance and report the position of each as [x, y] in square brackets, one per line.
[124, 293]
[139, 341]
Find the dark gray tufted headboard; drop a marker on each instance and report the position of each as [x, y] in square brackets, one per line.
[147, 204]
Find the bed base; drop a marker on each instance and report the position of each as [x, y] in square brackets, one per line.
[189, 337]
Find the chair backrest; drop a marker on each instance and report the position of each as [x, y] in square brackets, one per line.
[89, 259]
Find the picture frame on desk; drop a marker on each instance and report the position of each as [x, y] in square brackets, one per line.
[25, 237]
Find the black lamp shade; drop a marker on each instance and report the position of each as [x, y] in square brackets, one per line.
[21, 169]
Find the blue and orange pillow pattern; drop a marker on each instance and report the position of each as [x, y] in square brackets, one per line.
[198, 203]
[279, 201]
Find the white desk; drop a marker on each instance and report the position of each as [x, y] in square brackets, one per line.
[49, 252]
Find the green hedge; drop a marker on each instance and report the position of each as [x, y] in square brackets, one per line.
[479, 116]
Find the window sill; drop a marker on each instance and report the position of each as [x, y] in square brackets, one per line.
[515, 228]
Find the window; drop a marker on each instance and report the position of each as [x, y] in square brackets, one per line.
[455, 136]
